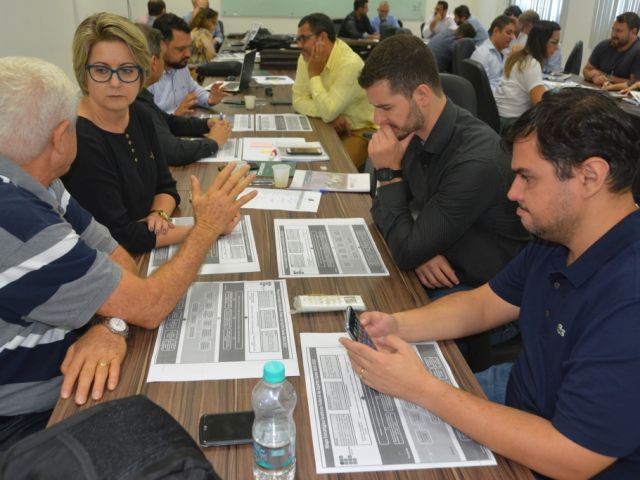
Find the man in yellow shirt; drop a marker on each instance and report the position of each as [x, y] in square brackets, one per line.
[326, 84]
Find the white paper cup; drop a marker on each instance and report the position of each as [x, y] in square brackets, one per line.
[239, 165]
[281, 175]
[250, 102]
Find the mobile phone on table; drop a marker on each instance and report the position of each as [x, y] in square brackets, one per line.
[232, 428]
[355, 329]
[303, 151]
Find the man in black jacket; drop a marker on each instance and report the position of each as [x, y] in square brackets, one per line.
[357, 24]
[179, 151]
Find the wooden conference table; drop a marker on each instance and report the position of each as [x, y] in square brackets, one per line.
[187, 401]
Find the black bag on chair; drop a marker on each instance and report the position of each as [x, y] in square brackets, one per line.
[131, 438]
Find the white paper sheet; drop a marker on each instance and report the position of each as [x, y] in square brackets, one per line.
[273, 80]
[225, 330]
[274, 149]
[283, 199]
[328, 247]
[357, 429]
[233, 253]
[331, 181]
[231, 151]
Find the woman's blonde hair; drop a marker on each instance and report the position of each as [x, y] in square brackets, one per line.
[107, 27]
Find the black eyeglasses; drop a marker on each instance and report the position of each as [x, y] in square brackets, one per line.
[103, 74]
[303, 38]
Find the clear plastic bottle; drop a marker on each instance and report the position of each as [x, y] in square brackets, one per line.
[274, 432]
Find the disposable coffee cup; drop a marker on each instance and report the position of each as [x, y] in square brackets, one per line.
[250, 102]
[239, 165]
[281, 175]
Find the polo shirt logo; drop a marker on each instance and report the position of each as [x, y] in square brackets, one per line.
[560, 330]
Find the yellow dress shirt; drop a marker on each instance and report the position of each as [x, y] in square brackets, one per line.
[335, 91]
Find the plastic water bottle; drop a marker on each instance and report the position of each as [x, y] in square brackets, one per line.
[274, 432]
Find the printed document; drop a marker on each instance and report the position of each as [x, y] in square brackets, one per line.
[225, 330]
[230, 152]
[331, 182]
[233, 253]
[357, 429]
[328, 247]
[282, 122]
[283, 199]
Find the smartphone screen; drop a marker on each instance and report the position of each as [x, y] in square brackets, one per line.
[303, 151]
[355, 329]
[226, 428]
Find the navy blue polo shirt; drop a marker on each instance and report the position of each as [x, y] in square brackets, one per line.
[580, 324]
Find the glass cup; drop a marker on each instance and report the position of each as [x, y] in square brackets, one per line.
[281, 175]
[250, 102]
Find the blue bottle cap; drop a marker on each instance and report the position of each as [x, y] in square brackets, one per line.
[273, 372]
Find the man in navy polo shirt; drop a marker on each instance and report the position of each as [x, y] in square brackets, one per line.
[572, 398]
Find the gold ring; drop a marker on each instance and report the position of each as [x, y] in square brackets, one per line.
[362, 370]
[103, 364]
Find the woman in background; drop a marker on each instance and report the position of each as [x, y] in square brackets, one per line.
[120, 174]
[202, 27]
[521, 85]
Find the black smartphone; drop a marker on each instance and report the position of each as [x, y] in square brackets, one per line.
[355, 329]
[226, 428]
[303, 151]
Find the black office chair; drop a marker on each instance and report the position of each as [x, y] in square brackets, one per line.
[487, 108]
[481, 355]
[574, 60]
[387, 31]
[337, 24]
[463, 48]
[460, 91]
[400, 23]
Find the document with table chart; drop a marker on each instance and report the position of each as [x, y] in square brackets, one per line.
[225, 330]
[357, 429]
[283, 199]
[231, 151]
[233, 253]
[285, 122]
[328, 247]
[241, 122]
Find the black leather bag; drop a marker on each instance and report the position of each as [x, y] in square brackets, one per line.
[126, 439]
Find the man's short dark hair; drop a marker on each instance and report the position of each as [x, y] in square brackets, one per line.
[154, 37]
[500, 22]
[445, 5]
[318, 23]
[631, 19]
[156, 7]
[405, 62]
[512, 11]
[169, 22]
[359, 4]
[462, 11]
[575, 124]
[466, 30]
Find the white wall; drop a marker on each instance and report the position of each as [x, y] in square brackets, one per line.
[45, 28]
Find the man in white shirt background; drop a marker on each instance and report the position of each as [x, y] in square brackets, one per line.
[439, 22]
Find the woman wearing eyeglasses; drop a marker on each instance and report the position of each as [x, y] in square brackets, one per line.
[521, 85]
[120, 174]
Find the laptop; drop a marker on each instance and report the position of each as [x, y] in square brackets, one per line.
[242, 45]
[245, 74]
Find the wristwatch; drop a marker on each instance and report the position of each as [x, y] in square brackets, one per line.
[387, 174]
[116, 325]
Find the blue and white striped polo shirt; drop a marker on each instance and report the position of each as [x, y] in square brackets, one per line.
[55, 272]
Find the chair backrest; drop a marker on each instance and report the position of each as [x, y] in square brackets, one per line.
[337, 24]
[221, 24]
[462, 49]
[487, 109]
[574, 60]
[400, 23]
[460, 91]
[387, 31]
